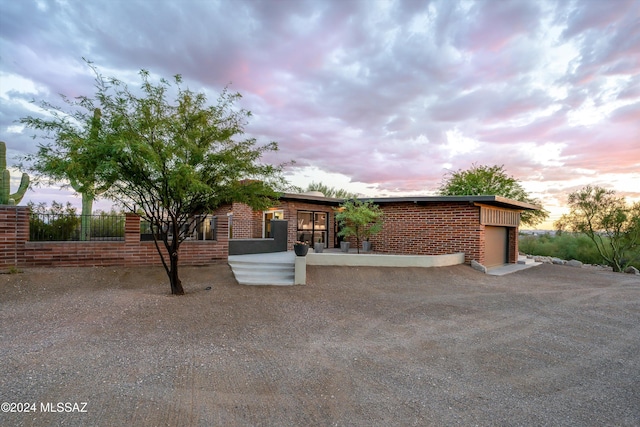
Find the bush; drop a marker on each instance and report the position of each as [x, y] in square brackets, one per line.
[59, 222]
[62, 223]
[566, 246]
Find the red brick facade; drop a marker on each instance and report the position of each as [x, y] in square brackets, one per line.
[436, 229]
[17, 250]
[410, 228]
[433, 229]
[418, 227]
[246, 223]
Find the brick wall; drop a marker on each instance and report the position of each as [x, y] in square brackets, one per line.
[243, 221]
[17, 250]
[431, 229]
[291, 208]
[408, 228]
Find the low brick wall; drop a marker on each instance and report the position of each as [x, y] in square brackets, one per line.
[17, 250]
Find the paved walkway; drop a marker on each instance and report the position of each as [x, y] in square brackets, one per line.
[509, 268]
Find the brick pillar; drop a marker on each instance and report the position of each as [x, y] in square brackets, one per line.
[222, 234]
[132, 228]
[513, 244]
[14, 233]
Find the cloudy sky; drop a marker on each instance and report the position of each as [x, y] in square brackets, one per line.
[377, 97]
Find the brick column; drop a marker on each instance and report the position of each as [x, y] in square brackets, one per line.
[132, 228]
[14, 233]
[513, 244]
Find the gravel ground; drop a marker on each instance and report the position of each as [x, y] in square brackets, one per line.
[551, 345]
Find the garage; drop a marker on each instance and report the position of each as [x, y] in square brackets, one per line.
[496, 249]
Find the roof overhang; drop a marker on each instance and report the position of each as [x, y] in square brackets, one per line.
[496, 201]
[309, 198]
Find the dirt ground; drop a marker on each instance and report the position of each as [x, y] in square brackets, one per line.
[550, 345]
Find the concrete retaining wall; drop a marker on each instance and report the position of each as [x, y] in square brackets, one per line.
[378, 260]
[372, 260]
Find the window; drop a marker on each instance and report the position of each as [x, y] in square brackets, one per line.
[312, 227]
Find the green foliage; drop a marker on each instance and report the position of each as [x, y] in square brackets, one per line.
[564, 246]
[491, 181]
[78, 154]
[14, 270]
[6, 198]
[608, 221]
[107, 225]
[338, 193]
[173, 159]
[62, 223]
[359, 219]
[57, 223]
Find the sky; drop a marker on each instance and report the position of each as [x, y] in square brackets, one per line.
[381, 98]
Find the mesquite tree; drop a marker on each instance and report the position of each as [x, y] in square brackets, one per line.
[492, 181]
[177, 158]
[77, 154]
[612, 225]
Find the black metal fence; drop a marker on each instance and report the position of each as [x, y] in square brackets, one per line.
[60, 228]
[200, 227]
[64, 227]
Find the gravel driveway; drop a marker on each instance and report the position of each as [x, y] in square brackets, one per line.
[551, 345]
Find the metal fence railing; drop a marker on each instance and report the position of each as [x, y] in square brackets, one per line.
[58, 227]
[200, 227]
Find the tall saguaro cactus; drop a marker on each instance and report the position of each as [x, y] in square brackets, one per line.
[6, 198]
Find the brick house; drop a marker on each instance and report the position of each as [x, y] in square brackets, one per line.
[485, 228]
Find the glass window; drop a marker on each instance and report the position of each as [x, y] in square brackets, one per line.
[320, 221]
[312, 227]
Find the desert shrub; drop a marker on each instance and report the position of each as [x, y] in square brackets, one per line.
[59, 222]
[567, 246]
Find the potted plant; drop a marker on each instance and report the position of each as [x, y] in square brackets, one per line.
[318, 247]
[360, 220]
[301, 248]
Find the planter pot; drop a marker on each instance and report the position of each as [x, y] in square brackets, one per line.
[301, 250]
[344, 246]
[366, 246]
[318, 247]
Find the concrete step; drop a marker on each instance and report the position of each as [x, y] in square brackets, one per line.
[267, 270]
[525, 260]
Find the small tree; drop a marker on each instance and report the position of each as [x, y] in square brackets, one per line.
[611, 224]
[175, 160]
[359, 219]
[78, 153]
[493, 181]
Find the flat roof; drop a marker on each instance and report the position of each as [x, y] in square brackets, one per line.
[497, 201]
[311, 198]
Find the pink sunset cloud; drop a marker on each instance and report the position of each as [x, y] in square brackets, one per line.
[388, 94]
